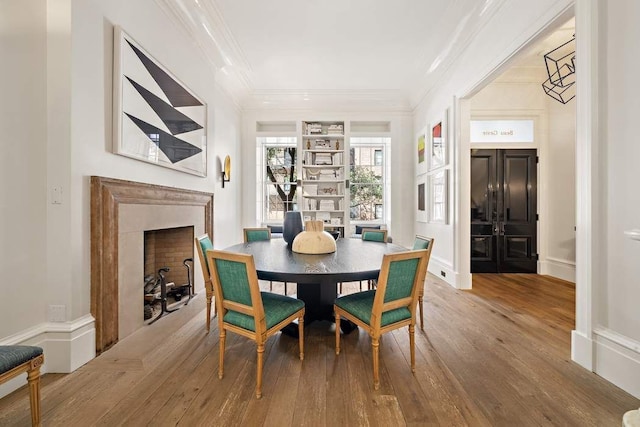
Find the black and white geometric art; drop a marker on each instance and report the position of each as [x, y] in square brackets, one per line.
[157, 118]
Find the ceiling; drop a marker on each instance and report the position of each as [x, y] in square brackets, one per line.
[286, 52]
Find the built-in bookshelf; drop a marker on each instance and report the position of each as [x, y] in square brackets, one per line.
[324, 173]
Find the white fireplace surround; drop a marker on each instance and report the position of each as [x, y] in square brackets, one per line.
[134, 220]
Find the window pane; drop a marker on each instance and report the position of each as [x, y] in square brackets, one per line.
[366, 178]
[279, 177]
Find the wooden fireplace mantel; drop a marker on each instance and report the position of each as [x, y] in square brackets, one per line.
[106, 196]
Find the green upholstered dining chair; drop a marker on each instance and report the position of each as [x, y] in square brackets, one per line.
[246, 311]
[203, 244]
[421, 242]
[374, 235]
[255, 234]
[390, 306]
[18, 359]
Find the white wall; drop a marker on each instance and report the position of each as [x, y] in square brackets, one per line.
[560, 215]
[59, 126]
[616, 317]
[23, 218]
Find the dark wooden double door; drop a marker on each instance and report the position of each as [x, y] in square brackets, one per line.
[503, 211]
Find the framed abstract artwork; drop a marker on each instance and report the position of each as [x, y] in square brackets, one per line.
[422, 153]
[157, 119]
[421, 214]
[438, 143]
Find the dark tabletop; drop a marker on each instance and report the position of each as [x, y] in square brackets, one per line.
[354, 260]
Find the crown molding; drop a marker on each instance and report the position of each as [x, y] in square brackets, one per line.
[466, 32]
[203, 22]
[336, 100]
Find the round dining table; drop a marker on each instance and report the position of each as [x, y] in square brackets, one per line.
[317, 276]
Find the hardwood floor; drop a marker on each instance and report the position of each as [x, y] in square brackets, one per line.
[498, 355]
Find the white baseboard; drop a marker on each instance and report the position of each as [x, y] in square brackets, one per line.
[582, 350]
[66, 345]
[443, 270]
[560, 268]
[617, 359]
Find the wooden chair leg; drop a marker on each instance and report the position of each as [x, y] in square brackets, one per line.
[259, 370]
[209, 298]
[223, 336]
[412, 347]
[375, 344]
[421, 313]
[33, 377]
[301, 335]
[337, 332]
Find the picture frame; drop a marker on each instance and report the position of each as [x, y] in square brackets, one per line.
[438, 144]
[439, 197]
[421, 152]
[421, 206]
[157, 118]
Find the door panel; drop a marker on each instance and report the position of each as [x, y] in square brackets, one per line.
[503, 211]
[483, 211]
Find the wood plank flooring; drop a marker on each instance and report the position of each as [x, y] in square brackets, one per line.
[498, 355]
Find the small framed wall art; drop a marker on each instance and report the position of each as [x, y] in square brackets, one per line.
[157, 119]
[438, 143]
[421, 214]
[438, 196]
[421, 153]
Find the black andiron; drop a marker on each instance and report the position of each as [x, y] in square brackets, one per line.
[177, 291]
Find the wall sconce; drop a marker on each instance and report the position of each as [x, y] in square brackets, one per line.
[226, 170]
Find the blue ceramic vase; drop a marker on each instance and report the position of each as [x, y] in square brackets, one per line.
[291, 226]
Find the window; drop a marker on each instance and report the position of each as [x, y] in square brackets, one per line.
[367, 179]
[279, 176]
[378, 157]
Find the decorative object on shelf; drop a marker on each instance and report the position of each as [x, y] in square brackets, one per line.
[314, 240]
[308, 144]
[337, 144]
[335, 129]
[226, 170]
[291, 226]
[322, 144]
[151, 122]
[561, 69]
[313, 128]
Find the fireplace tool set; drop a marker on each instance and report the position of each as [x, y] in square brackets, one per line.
[158, 290]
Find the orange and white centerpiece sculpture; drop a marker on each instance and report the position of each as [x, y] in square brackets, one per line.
[314, 240]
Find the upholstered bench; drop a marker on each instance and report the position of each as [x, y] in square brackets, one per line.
[18, 359]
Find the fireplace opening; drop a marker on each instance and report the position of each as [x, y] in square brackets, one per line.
[168, 271]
